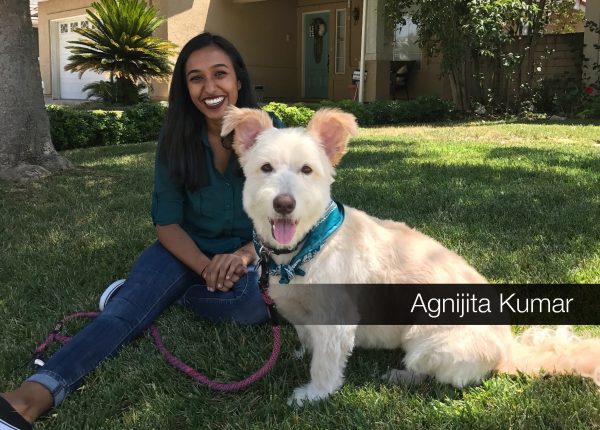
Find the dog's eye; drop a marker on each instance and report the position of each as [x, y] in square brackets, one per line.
[267, 168]
[306, 170]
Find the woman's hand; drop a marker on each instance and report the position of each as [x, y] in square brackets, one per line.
[223, 271]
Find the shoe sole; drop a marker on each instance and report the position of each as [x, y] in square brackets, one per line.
[108, 293]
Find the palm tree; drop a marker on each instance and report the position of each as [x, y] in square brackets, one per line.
[120, 42]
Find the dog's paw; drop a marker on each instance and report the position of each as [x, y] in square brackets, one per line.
[300, 352]
[306, 393]
[403, 377]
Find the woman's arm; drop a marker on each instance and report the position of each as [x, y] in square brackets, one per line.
[220, 273]
[180, 244]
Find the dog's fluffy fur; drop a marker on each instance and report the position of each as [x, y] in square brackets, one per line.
[367, 250]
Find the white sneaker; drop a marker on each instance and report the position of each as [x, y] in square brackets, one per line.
[109, 292]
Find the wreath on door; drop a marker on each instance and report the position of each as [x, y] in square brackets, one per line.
[317, 30]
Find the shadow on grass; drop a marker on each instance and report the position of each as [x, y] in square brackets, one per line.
[516, 223]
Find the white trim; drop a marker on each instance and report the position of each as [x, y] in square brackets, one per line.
[361, 88]
[54, 60]
[335, 42]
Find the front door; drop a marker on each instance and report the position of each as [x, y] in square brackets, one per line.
[316, 54]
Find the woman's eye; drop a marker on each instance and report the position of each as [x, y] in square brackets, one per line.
[267, 168]
[220, 74]
[196, 78]
[306, 170]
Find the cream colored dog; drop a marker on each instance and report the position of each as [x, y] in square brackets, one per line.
[288, 177]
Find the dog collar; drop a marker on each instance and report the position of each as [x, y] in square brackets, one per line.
[331, 220]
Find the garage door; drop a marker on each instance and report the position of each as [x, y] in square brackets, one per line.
[70, 83]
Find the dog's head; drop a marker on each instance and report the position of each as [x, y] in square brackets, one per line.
[289, 171]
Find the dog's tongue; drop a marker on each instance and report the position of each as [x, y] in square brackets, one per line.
[283, 230]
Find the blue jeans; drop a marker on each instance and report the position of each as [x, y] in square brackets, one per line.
[156, 280]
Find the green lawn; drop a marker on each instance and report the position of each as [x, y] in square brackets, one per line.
[520, 202]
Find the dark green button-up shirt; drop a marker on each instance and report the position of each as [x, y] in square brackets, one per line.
[213, 215]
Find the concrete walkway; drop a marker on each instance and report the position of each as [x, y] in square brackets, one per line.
[49, 101]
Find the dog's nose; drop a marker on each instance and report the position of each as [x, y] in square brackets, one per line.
[284, 204]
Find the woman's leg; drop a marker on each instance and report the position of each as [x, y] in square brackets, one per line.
[242, 304]
[156, 280]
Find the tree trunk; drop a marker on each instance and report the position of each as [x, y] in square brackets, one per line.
[532, 40]
[26, 150]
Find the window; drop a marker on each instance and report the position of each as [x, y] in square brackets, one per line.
[405, 46]
[340, 41]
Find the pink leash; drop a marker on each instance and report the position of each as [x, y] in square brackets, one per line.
[56, 336]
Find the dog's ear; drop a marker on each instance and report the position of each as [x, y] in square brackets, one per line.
[247, 123]
[333, 128]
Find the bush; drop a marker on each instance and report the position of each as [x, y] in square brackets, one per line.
[363, 115]
[429, 109]
[77, 128]
[591, 109]
[72, 128]
[296, 115]
[143, 122]
[120, 91]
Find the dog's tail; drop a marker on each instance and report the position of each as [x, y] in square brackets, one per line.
[555, 351]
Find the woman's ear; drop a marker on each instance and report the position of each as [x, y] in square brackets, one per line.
[239, 85]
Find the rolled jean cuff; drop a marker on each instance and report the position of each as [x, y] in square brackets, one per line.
[53, 382]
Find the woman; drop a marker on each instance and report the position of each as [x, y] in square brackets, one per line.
[204, 251]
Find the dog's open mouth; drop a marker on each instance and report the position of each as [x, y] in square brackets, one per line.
[283, 229]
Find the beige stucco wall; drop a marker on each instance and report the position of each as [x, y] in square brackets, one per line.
[592, 13]
[263, 32]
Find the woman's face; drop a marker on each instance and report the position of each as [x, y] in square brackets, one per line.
[211, 81]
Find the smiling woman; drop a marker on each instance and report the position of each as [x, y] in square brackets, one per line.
[204, 255]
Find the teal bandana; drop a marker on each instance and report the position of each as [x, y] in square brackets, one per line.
[314, 240]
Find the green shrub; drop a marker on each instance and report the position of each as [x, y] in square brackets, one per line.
[296, 115]
[591, 109]
[143, 122]
[363, 115]
[77, 128]
[73, 128]
[119, 91]
[429, 109]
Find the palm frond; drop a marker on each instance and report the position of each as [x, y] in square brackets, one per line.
[120, 41]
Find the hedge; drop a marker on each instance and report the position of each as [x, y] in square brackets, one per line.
[419, 110]
[77, 128]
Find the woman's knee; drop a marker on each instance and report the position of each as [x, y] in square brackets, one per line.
[242, 304]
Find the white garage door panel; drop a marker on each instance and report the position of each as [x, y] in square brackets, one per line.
[70, 83]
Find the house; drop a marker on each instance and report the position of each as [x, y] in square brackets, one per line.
[294, 49]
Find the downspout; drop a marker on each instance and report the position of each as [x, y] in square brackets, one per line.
[361, 90]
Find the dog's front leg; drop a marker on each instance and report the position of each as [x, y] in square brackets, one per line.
[305, 341]
[331, 346]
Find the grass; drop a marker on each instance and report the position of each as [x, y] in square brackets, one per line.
[520, 202]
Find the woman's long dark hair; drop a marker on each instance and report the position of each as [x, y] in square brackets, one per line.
[180, 150]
